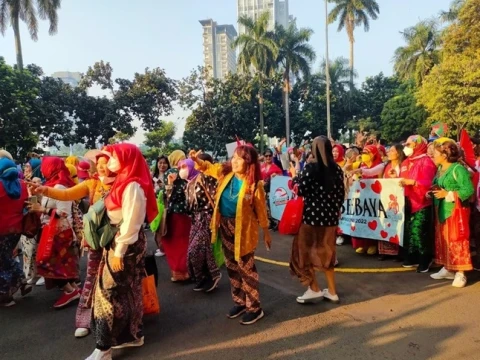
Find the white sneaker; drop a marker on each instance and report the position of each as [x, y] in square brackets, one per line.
[40, 282]
[329, 297]
[460, 280]
[32, 281]
[136, 343]
[100, 355]
[8, 304]
[159, 253]
[81, 332]
[310, 296]
[443, 274]
[340, 240]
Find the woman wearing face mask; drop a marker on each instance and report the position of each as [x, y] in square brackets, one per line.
[370, 159]
[453, 188]
[240, 208]
[200, 192]
[94, 189]
[417, 174]
[175, 242]
[117, 301]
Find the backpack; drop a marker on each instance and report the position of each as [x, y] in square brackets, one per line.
[98, 232]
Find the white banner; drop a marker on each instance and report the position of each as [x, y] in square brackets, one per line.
[375, 209]
[280, 193]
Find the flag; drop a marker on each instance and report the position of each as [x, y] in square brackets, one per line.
[468, 150]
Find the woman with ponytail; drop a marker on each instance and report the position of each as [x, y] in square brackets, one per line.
[240, 208]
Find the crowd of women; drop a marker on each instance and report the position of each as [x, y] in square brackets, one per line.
[199, 204]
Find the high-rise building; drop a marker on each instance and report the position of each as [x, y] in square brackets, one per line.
[278, 10]
[220, 57]
[71, 78]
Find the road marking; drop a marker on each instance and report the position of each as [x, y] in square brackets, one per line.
[342, 270]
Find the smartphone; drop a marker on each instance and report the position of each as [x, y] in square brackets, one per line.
[33, 199]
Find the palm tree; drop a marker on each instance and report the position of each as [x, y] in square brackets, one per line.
[452, 14]
[353, 13]
[421, 53]
[339, 72]
[295, 56]
[12, 11]
[258, 51]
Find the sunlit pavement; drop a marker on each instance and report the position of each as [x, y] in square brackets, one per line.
[389, 315]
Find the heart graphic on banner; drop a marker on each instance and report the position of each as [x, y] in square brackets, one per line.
[363, 185]
[373, 225]
[384, 234]
[389, 225]
[377, 187]
[290, 184]
[395, 240]
[353, 227]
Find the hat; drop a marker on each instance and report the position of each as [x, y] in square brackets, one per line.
[83, 170]
[5, 154]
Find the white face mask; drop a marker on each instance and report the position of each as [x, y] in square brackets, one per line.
[113, 165]
[183, 173]
[408, 151]
[101, 178]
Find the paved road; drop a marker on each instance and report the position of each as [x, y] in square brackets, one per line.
[381, 316]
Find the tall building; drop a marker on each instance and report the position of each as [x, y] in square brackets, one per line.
[278, 10]
[220, 57]
[71, 78]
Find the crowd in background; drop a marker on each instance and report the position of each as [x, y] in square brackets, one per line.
[208, 214]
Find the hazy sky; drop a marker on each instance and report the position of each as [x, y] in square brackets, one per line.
[133, 35]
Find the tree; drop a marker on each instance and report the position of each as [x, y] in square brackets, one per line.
[295, 55]
[147, 97]
[159, 140]
[401, 116]
[12, 11]
[33, 109]
[451, 92]
[375, 92]
[339, 74]
[350, 14]
[259, 50]
[421, 53]
[451, 14]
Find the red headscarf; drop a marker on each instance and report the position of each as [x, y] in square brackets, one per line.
[55, 172]
[133, 168]
[382, 150]
[421, 146]
[341, 153]
[376, 158]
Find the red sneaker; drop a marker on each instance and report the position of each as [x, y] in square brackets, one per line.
[67, 298]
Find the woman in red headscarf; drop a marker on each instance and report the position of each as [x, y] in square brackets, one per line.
[117, 301]
[62, 268]
[339, 155]
[370, 159]
[93, 189]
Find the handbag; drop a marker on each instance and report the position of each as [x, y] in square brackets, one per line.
[218, 252]
[155, 224]
[31, 225]
[151, 304]
[45, 247]
[292, 217]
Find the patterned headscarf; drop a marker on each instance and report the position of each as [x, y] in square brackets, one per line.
[421, 145]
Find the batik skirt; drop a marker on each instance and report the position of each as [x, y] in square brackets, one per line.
[11, 274]
[117, 300]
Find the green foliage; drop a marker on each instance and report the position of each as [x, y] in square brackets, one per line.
[451, 92]
[12, 11]
[401, 116]
[421, 52]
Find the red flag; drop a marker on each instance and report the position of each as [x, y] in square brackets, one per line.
[467, 146]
